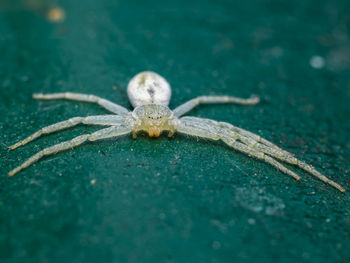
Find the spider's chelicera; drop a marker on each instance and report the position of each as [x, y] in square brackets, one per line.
[150, 94]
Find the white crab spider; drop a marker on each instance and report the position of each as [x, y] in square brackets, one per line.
[150, 94]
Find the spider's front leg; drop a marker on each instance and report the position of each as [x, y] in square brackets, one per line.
[254, 141]
[104, 120]
[113, 131]
[108, 105]
[215, 133]
[250, 145]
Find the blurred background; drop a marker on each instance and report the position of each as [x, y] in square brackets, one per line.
[178, 200]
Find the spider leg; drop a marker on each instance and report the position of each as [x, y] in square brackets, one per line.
[113, 131]
[235, 130]
[262, 145]
[91, 120]
[260, 155]
[189, 105]
[256, 146]
[197, 129]
[108, 105]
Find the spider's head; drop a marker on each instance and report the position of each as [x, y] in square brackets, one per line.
[153, 119]
[148, 88]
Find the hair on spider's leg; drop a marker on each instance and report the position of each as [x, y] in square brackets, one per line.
[104, 120]
[108, 105]
[189, 105]
[113, 131]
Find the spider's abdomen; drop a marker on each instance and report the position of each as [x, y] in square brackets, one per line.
[148, 88]
[153, 119]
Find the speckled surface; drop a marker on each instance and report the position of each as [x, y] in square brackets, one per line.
[177, 200]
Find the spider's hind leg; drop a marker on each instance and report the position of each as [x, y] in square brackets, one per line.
[113, 131]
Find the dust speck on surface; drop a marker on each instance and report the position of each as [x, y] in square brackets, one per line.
[251, 221]
[317, 62]
[258, 201]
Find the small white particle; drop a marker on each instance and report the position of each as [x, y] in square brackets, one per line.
[93, 181]
[317, 62]
[328, 220]
[251, 221]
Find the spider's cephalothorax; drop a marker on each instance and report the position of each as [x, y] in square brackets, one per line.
[150, 94]
[153, 119]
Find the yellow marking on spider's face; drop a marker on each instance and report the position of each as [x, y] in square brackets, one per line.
[153, 128]
[154, 132]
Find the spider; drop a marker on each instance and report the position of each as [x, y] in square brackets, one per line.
[149, 94]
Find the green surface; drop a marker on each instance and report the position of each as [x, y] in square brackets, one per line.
[177, 200]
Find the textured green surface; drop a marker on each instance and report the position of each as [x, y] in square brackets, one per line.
[178, 200]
